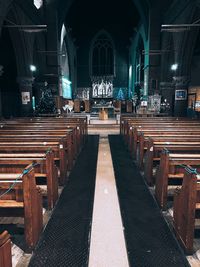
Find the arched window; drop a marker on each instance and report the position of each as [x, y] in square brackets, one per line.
[102, 55]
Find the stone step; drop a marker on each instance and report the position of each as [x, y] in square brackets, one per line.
[104, 126]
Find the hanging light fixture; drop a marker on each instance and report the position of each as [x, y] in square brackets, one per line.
[178, 27]
[27, 28]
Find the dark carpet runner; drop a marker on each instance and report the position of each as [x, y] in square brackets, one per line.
[150, 243]
[65, 240]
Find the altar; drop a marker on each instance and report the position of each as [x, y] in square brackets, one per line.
[104, 112]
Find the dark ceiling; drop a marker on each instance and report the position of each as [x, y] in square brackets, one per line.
[117, 17]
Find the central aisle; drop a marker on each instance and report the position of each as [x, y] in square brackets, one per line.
[107, 246]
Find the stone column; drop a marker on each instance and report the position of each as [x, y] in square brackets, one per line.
[1, 73]
[25, 88]
[181, 95]
[4, 7]
[52, 59]
[155, 19]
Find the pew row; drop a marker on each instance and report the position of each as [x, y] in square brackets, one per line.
[45, 170]
[154, 149]
[186, 209]
[20, 197]
[171, 170]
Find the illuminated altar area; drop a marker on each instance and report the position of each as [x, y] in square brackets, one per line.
[102, 95]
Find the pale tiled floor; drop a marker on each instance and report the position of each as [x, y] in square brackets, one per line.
[107, 247]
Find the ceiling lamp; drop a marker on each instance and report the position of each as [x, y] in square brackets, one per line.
[174, 66]
[51, 53]
[154, 52]
[28, 28]
[178, 27]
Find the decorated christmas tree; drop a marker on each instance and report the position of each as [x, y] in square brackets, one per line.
[120, 95]
[47, 102]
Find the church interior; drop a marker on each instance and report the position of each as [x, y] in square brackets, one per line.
[99, 133]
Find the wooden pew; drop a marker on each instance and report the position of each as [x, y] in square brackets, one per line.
[65, 141]
[132, 125]
[39, 147]
[79, 124]
[124, 120]
[144, 140]
[73, 131]
[186, 207]
[5, 250]
[176, 131]
[129, 124]
[21, 198]
[171, 168]
[45, 169]
[154, 149]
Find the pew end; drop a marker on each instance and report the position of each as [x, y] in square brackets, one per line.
[186, 203]
[5, 250]
[22, 197]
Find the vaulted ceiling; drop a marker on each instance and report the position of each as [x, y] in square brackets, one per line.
[140, 6]
[92, 16]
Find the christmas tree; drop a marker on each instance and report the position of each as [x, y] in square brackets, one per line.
[120, 95]
[47, 102]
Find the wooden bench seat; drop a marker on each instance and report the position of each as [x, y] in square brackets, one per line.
[58, 151]
[65, 141]
[170, 166]
[25, 141]
[80, 127]
[45, 168]
[154, 149]
[124, 121]
[186, 204]
[129, 125]
[21, 198]
[138, 142]
[144, 138]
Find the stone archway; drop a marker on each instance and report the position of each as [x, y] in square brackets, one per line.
[22, 44]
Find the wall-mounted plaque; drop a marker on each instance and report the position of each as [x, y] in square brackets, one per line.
[180, 94]
[26, 97]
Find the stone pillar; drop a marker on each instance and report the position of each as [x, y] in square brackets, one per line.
[4, 7]
[1, 73]
[181, 95]
[25, 88]
[155, 19]
[52, 59]
[167, 92]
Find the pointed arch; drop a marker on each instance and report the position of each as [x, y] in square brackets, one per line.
[102, 55]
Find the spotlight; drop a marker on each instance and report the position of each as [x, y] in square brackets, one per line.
[174, 66]
[32, 68]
